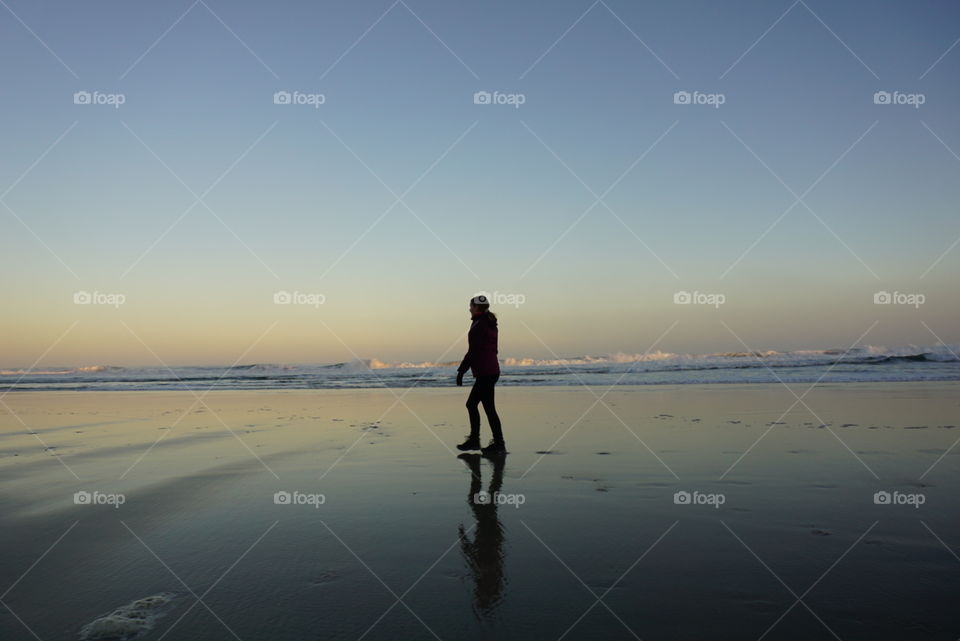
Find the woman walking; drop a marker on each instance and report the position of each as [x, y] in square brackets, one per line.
[481, 360]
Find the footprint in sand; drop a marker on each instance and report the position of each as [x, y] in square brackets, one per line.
[324, 577]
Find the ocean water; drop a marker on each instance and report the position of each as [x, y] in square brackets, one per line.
[860, 364]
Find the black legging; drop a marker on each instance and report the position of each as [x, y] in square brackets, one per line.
[482, 392]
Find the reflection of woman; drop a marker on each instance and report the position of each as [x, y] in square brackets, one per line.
[481, 360]
[484, 554]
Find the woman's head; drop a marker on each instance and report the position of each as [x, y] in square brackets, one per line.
[479, 304]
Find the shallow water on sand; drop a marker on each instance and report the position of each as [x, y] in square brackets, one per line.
[721, 512]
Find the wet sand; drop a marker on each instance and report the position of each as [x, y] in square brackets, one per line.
[659, 512]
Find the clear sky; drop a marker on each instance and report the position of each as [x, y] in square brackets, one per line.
[199, 198]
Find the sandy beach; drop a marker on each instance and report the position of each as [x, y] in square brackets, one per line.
[276, 274]
[656, 512]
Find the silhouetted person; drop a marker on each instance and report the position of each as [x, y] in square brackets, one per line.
[481, 360]
[484, 554]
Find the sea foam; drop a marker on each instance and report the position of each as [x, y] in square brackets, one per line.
[128, 621]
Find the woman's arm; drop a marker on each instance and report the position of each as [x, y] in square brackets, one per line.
[471, 350]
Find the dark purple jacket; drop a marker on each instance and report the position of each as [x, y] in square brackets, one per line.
[481, 356]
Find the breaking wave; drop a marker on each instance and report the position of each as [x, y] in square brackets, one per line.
[867, 363]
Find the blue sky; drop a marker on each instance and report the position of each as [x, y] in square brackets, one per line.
[297, 194]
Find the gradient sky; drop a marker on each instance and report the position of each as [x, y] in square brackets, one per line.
[97, 195]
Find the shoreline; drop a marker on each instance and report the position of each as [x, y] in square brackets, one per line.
[468, 382]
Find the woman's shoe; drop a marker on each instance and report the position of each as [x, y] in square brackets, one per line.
[472, 443]
[494, 449]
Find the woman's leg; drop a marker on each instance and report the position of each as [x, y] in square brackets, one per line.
[472, 401]
[490, 408]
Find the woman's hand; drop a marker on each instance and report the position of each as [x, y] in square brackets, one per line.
[459, 379]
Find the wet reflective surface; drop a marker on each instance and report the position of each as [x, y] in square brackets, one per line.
[705, 513]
